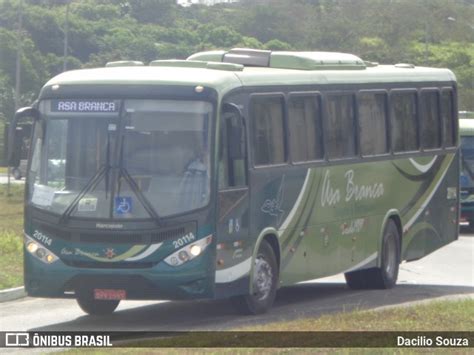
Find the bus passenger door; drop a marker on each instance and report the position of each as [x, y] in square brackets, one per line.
[233, 247]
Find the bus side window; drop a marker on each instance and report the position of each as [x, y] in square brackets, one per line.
[404, 123]
[430, 120]
[448, 118]
[340, 126]
[268, 130]
[373, 123]
[233, 155]
[304, 121]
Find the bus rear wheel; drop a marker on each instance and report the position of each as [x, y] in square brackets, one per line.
[386, 275]
[92, 306]
[264, 282]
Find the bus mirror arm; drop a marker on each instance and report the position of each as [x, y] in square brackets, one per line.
[236, 149]
[14, 145]
[235, 143]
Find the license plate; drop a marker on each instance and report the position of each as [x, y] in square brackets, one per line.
[107, 294]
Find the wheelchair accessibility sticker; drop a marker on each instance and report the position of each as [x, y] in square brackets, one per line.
[123, 204]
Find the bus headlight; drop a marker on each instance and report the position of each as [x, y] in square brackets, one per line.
[32, 247]
[195, 250]
[39, 251]
[189, 252]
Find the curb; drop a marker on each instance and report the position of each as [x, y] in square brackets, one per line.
[11, 294]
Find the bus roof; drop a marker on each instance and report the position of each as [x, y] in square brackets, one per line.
[466, 127]
[312, 68]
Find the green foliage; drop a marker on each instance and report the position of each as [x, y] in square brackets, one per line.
[221, 36]
[11, 236]
[277, 45]
[438, 33]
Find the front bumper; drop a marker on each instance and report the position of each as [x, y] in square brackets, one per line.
[193, 280]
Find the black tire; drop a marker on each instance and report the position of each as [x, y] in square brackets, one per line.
[16, 174]
[95, 307]
[386, 275]
[264, 288]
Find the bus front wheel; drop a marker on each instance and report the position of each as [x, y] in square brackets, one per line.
[264, 282]
[95, 307]
[386, 275]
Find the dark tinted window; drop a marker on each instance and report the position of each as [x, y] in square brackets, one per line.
[448, 118]
[430, 122]
[268, 130]
[404, 125]
[373, 123]
[232, 165]
[304, 119]
[340, 133]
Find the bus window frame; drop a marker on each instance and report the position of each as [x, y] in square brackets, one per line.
[355, 127]
[454, 113]
[213, 193]
[393, 92]
[251, 130]
[388, 126]
[319, 98]
[245, 128]
[422, 91]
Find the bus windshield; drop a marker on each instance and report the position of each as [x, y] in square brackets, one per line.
[467, 161]
[151, 160]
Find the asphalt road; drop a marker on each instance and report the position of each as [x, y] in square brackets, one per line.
[446, 272]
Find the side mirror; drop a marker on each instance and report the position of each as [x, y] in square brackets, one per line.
[235, 132]
[14, 159]
[15, 134]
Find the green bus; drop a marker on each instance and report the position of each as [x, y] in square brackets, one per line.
[234, 173]
[466, 132]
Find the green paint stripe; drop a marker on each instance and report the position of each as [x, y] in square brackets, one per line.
[441, 173]
[129, 253]
[303, 212]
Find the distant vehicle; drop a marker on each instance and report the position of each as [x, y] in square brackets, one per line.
[466, 114]
[466, 132]
[19, 171]
[231, 174]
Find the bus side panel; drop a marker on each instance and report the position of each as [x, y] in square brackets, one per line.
[437, 220]
[279, 197]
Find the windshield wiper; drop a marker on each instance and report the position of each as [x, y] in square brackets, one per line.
[91, 184]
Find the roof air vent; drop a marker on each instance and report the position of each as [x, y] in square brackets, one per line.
[405, 66]
[370, 64]
[248, 57]
[125, 63]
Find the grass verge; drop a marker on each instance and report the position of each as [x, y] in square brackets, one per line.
[11, 231]
[434, 316]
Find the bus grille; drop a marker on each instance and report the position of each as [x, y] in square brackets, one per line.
[115, 265]
[147, 237]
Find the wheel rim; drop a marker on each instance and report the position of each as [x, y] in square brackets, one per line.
[390, 255]
[262, 279]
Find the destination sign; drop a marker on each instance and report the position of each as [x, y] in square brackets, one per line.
[85, 106]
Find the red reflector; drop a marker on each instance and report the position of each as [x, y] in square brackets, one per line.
[105, 294]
